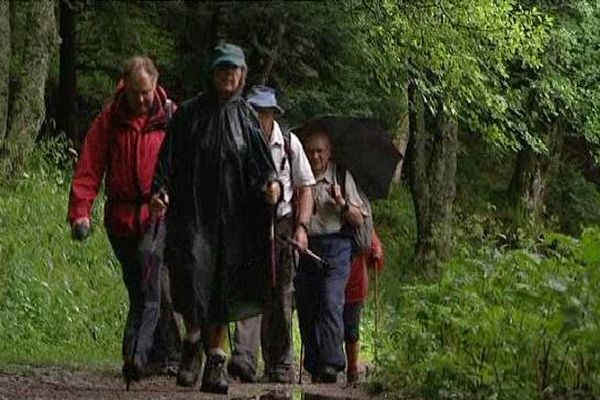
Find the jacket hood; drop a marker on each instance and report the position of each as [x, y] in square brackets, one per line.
[157, 115]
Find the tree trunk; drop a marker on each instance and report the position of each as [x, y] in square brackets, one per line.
[28, 111]
[530, 175]
[432, 158]
[274, 52]
[200, 36]
[4, 65]
[402, 132]
[67, 106]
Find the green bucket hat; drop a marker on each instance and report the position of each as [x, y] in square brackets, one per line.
[228, 54]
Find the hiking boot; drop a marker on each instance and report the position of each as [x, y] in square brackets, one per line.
[191, 361]
[161, 368]
[352, 376]
[243, 372]
[214, 379]
[283, 376]
[132, 372]
[327, 374]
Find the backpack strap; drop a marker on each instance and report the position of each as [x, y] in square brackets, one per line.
[287, 147]
[340, 178]
[168, 110]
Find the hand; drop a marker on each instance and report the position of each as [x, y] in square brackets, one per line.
[377, 254]
[273, 192]
[80, 228]
[159, 203]
[336, 194]
[301, 238]
[353, 216]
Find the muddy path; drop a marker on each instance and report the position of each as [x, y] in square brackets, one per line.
[66, 383]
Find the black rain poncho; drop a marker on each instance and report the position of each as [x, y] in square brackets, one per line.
[214, 165]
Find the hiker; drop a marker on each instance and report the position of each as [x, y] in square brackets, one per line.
[356, 293]
[218, 181]
[275, 325]
[320, 288]
[123, 143]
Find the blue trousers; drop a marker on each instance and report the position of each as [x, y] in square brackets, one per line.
[320, 302]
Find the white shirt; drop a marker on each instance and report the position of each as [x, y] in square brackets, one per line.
[327, 217]
[302, 173]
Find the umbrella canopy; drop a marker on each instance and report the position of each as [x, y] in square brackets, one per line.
[361, 146]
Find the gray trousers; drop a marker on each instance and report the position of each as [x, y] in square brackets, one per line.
[274, 328]
[152, 330]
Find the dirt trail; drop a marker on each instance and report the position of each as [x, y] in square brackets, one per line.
[65, 383]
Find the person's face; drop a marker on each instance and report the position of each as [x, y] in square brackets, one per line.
[227, 79]
[139, 91]
[318, 151]
[266, 118]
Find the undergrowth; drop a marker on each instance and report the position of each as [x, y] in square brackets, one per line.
[61, 301]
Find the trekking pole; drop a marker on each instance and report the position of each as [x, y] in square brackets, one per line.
[307, 252]
[272, 249]
[272, 260]
[375, 352]
[301, 361]
[229, 337]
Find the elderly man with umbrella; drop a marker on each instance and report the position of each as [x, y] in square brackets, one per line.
[340, 210]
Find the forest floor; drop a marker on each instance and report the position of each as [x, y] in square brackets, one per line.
[69, 383]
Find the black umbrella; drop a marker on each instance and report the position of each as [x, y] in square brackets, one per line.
[361, 146]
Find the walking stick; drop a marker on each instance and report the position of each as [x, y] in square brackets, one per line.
[288, 240]
[272, 249]
[376, 318]
[229, 337]
[301, 361]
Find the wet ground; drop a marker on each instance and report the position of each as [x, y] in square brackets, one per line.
[64, 383]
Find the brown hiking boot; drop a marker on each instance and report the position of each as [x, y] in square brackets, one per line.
[132, 372]
[214, 378]
[352, 376]
[191, 362]
[243, 372]
[280, 376]
[327, 374]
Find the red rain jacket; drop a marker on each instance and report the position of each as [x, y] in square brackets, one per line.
[125, 149]
[357, 287]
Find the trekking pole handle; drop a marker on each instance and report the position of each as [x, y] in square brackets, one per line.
[308, 252]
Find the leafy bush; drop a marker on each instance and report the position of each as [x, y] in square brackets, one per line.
[573, 201]
[500, 324]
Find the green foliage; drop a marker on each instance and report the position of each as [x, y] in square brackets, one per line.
[60, 301]
[573, 201]
[500, 324]
[563, 86]
[459, 52]
[108, 33]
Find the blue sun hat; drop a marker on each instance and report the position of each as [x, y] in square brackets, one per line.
[227, 54]
[263, 98]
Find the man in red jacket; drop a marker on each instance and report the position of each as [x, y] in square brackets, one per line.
[122, 147]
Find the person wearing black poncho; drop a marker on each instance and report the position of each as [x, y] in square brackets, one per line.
[216, 180]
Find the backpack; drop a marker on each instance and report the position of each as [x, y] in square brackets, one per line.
[361, 235]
